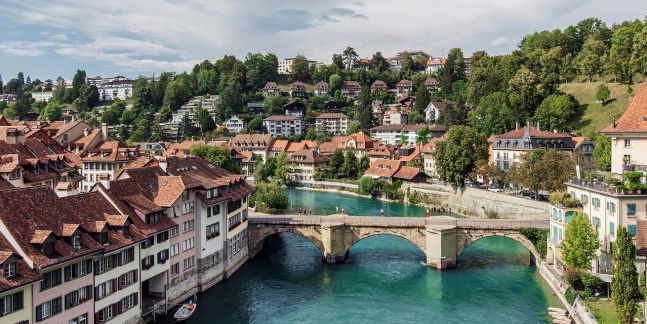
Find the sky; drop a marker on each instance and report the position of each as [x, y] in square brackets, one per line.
[51, 38]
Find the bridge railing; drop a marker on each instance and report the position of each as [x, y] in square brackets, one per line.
[500, 223]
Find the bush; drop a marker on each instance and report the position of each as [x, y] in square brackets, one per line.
[582, 283]
[269, 197]
[564, 199]
[570, 295]
[368, 185]
[538, 237]
[393, 190]
[574, 279]
[590, 283]
[491, 214]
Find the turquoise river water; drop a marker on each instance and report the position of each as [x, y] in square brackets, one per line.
[384, 280]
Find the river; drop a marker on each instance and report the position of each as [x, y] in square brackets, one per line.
[384, 280]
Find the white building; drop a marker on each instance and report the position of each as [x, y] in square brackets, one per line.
[285, 66]
[332, 123]
[235, 124]
[283, 125]
[44, 96]
[118, 89]
[396, 134]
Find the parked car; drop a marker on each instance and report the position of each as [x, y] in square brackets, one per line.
[495, 188]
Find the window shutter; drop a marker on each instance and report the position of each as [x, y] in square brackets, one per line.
[96, 266]
[2, 302]
[119, 306]
[131, 254]
[18, 300]
[39, 313]
[135, 275]
[136, 297]
[88, 265]
[96, 293]
[97, 317]
[115, 284]
[116, 260]
[67, 301]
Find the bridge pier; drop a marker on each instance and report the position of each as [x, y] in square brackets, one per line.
[441, 246]
[332, 236]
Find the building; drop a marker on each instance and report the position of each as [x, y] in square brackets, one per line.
[393, 170]
[382, 152]
[394, 63]
[331, 106]
[17, 281]
[295, 108]
[116, 89]
[404, 87]
[434, 109]
[378, 86]
[322, 89]
[257, 144]
[234, 124]
[271, 89]
[350, 90]
[432, 84]
[283, 125]
[359, 143]
[393, 115]
[285, 66]
[628, 141]
[362, 64]
[332, 123]
[434, 63]
[43, 96]
[255, 108]
[506, 149]
[304, 164]
[103, 161]
[396, 134]
[297, 89]
[428, 160]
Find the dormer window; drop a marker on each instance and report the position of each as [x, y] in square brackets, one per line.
[48, 248]
[76, 242]
[153, 218]
[36, 170]
[9, 269]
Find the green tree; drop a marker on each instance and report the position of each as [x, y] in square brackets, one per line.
[589, 60]
[216, 155]
[269, 197]
[453, 114]
[622, 43]
[336, 162]
[624, 287]
[349, 167]
[338, 60]
[453, 70]
[457, 155]
[555, 112]
[89, 94]
[364, 109]
[580, 242]
[255, 124]
[335, 82]
[493, 115]
[423, 135]
[22, 105]
[363, 164]
[52, 111]
[602, 152]
[178, 92]
[350, 57]
[112, 114]
[639, 52]
[300, 69]
[353, 127]
[186, 128]
[260, 69]
[406, 62]
[274, 105]
[602, 93]
[77, 81]
[378, 63]
[204, 119]
[422, 99]
[230, 101]
[542, 169]
[523, 93]
[282, 166]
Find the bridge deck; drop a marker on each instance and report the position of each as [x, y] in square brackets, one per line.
[373, 221]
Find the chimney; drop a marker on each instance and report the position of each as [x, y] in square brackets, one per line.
[86, 132]
[517, 126]
[614, 123]
[104, 131]
[162, 163]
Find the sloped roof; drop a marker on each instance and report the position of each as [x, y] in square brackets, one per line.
[634, 119]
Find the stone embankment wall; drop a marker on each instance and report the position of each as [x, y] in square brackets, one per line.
[472, 202]
[580, 313]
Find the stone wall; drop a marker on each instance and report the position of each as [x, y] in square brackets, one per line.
[473, 202]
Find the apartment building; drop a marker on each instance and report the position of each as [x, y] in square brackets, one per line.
[257, 144]
[350, 89]
[304, 164]
[322, 89]
[234, 124]
[271, 89]
[16, 285]
[103, 161]
[332, 123]
[283, 125]
[396, 134]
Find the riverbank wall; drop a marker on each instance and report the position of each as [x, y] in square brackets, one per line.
[579, 311]
[473, 202]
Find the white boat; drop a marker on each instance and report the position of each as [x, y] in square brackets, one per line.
[185, 311]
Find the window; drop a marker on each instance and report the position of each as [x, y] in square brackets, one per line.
[51, 279]
[611, 207]
[175, 249]
[188, 207]
[596, 203]
[612, 228]
[188, 244]
[161, 237]
[77, 270]
[627, 159]
[105, 314]
[185, 195]
[11, 303]
[631, 209]
[162, 256]
[83, 319]
[76, 242]
[48, 309]
[585, 199]
[632, 230]
[9, 269]
[153, 218]
[15, 174]
[175, 269]
[123, 257]
[189, 262]
[213, 230]
[234, 221]
[150, 241]
[175, 231]
[128, 302]
[105, 264]
[213, 210]
[105, 289]
[127, 279]
[211, 193]
[148, 262]
[78, 296]
[188, 225]
[627, 143]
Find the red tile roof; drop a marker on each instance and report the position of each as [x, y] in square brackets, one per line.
[634, 119]
[332, 116]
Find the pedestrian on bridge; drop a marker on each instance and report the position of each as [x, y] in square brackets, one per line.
[382, 212]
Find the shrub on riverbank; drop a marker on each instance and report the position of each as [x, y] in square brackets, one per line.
[269, 197]
[538, 237]
[491, 214]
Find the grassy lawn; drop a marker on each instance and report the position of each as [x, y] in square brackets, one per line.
[592, 116]
[603, 311]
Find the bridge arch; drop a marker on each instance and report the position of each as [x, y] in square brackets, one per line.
[311, 233]
[413, 235]
[465, 238]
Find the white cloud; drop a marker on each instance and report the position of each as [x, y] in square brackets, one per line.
[149, 34]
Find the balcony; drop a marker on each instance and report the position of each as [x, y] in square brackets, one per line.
[634, 167]
[614, 189]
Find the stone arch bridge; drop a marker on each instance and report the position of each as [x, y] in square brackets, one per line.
[441, 238]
